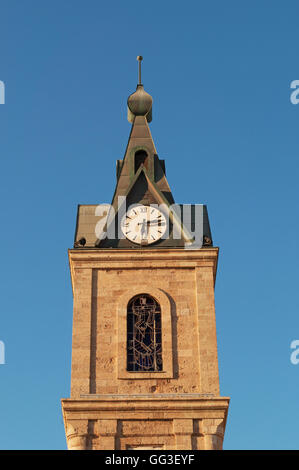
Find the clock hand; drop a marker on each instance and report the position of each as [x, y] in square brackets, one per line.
[143, 228]
[150, 222]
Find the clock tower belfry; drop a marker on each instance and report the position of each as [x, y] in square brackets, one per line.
[144, 350]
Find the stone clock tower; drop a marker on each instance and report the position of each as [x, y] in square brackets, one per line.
[144, 352]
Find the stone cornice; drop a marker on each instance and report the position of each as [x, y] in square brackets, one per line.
[150, 403]
[134, 259]
[161, 253]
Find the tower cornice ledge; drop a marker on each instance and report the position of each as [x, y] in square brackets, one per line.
[190, 402]
[182, 410]
[91, 256]
[154, 258]
[112, 407]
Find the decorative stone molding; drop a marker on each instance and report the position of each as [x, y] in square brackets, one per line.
[183, 430]
[77, 434]
[196, 423]
[166, 322]
[213, 430]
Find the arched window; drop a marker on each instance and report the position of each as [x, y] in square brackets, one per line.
[144, 345]
[140, 159]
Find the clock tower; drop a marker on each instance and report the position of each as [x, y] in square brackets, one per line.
[144, 351]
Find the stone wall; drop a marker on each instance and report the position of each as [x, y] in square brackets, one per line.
[176, 408]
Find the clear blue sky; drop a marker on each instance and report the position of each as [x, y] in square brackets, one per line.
[220, 75]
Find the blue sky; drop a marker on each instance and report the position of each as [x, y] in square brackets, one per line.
[219, 73]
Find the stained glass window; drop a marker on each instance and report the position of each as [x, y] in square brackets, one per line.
[144, 344]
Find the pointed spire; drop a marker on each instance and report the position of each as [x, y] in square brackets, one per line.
[140, 103]
[139, 58]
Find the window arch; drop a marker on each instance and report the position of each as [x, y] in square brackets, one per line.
[144, 341]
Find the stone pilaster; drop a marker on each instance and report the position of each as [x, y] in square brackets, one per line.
[213, 430]
[183, 430]
[77, 434]
[107, 434]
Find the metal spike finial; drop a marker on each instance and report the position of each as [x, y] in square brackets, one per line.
[139, 58]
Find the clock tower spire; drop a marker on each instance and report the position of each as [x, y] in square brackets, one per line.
[141, 179]
[144, 352]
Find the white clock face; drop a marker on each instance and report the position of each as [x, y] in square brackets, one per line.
[144, 224]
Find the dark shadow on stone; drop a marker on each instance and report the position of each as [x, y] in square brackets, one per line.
[93, 337]
[174, 333]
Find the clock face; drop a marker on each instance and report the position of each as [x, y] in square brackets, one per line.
[144, 224]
